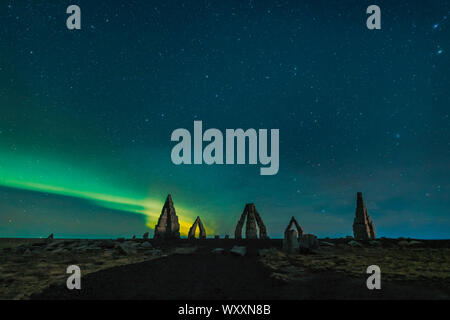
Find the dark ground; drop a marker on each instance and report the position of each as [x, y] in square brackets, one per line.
[203, 275]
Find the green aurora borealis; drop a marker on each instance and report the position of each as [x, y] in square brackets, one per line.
[53, 178]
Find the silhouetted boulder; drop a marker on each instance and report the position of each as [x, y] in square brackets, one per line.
[49, 238]
[146, 245]
[124, 249]
[238, 251]
[327, 244]
[308, 242]
[355, 244]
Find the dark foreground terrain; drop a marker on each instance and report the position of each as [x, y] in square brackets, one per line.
[193, 272]
[148, 269]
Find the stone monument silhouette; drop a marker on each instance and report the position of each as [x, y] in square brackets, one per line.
[253, 219]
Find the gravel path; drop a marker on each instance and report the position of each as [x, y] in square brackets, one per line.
[209, 276]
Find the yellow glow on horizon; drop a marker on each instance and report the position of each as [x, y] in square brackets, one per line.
[150, 208]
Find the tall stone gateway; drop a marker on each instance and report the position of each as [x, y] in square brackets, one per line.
[253, 219]
[168, 226]
[202, 231]
[363, 227]
[294, 223]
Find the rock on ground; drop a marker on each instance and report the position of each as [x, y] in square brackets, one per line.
[308, 242]
[354, 243]
[185, 250]
[238, 251]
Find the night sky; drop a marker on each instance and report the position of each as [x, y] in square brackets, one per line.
[86, 115]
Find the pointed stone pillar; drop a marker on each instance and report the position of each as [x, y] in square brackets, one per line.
[363, 226]
[167, 226]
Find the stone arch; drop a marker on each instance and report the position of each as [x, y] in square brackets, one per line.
[292, 223]
[253, 219]
[202, 231]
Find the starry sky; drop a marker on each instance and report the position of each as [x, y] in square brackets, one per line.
[86, 115]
